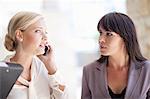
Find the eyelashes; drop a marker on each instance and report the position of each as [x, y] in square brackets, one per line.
[109, 34]
[106, 33]
[40, 31]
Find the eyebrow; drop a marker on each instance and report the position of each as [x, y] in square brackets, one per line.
[104, 31]
[39, 27]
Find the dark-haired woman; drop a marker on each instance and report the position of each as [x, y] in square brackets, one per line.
[121, 72]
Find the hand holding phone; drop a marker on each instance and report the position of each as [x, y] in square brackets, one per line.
[48, 59]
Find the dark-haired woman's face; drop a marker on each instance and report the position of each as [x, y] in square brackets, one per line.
[110, 43]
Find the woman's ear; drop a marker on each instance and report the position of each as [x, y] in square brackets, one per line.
[19, 35]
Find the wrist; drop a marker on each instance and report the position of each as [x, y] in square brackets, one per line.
[51, 68]
[52, 72]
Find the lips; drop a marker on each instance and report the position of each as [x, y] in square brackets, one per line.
[103, 47]
[42, 46]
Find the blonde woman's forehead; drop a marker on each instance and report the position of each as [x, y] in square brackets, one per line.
[30, 22]
[38, 24]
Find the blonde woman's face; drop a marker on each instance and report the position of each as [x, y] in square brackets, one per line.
[34, 38]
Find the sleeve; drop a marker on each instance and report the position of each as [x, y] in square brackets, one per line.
[86, 94]
[54, 81]
[148, 94]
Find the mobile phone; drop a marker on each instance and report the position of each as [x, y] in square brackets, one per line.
[46, 50]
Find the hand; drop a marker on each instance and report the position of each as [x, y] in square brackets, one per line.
[48, 61]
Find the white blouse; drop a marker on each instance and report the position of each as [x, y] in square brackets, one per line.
[41, 86]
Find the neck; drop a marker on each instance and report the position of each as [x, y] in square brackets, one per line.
[118, 61]
[22, 58]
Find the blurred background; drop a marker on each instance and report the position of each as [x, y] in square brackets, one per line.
[72, 30]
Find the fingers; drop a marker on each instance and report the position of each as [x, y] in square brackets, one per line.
[49, 49]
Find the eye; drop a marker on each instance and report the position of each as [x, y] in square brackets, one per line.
[38, 31]
[100, 32]
[109, 34]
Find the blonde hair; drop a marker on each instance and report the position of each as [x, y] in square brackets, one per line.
[20, 21]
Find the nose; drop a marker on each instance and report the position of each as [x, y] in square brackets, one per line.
[102, 39]
[44, 37]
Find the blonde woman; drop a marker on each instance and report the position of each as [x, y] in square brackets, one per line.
[39, 79]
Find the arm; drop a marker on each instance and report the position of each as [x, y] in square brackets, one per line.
[49, 63]
[58, 89]
[86, 94]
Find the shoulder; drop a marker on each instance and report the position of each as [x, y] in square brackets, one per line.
[146, 65]
[91, 67]
[93, 70]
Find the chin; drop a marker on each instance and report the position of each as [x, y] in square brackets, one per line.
[104, 54]
[39, 52]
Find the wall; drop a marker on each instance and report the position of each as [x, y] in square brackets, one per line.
[139, 11]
